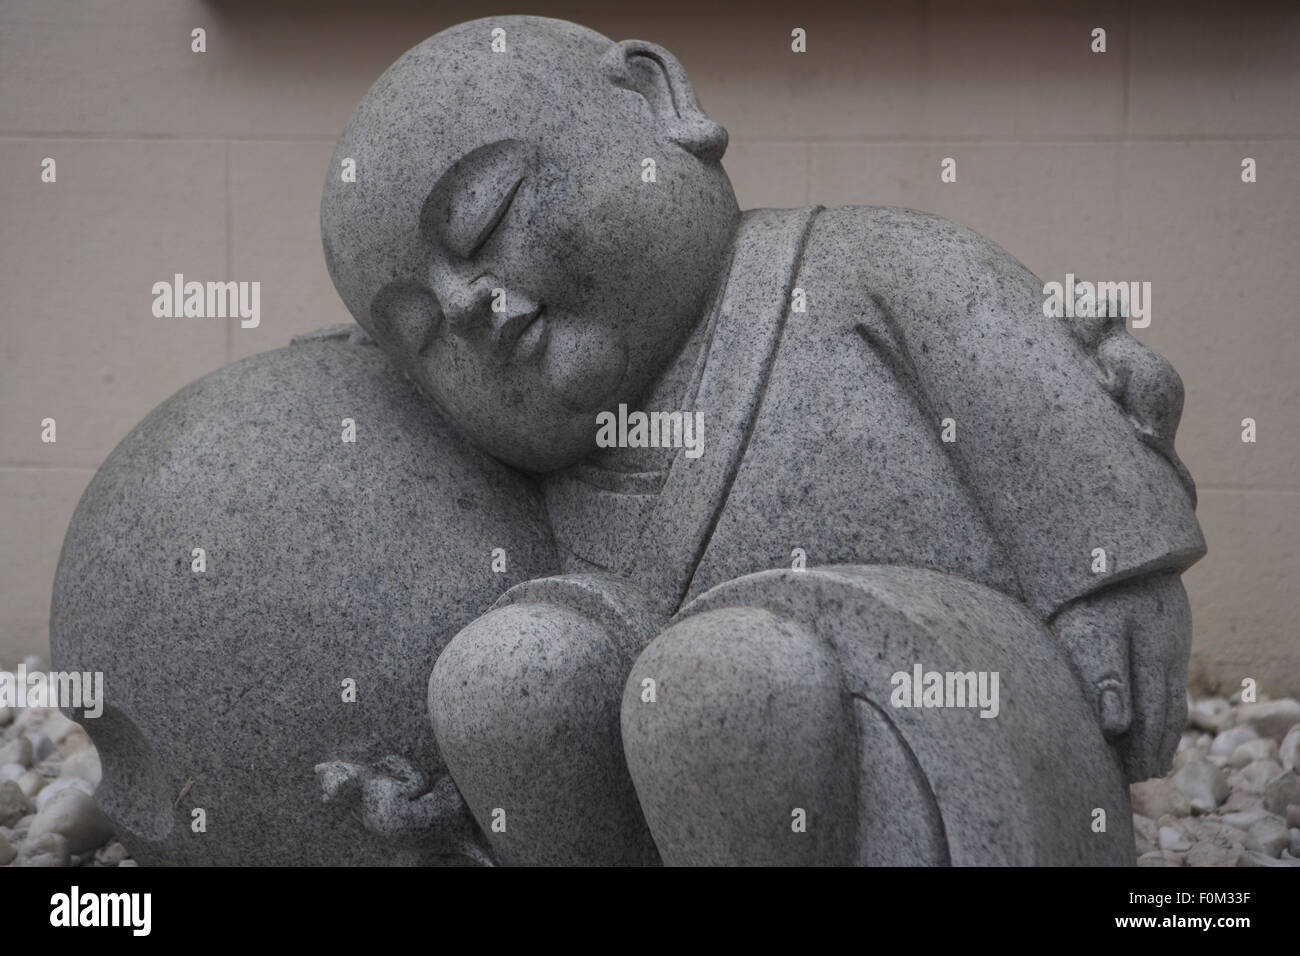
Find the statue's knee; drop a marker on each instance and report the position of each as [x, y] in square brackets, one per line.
[715, 664]
[518, 676]
[738, 734]
[525, 708]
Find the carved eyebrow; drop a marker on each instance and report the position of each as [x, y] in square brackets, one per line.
[472, 196]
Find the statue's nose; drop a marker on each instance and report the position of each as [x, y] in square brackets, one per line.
[466, 305]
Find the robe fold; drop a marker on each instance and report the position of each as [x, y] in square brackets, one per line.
[824, 428]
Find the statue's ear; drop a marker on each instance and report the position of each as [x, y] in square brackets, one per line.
[655, 74]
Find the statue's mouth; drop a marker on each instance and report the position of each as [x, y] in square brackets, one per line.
[521, 337]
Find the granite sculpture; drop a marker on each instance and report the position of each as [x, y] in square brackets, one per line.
[848, 545]
[324, 562]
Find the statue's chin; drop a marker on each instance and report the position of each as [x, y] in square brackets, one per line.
[547, 451]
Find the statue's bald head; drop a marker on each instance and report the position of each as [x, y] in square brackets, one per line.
[482, 107]
[439, 100]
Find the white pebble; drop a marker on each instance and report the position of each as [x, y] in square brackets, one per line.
[1156, 797]
[1289, 752]
[1268, 836]
[32, 783]
[1270, 718]
[1255, 858]
[14, 805]
[1282, 792]
[1207, 714]
[84, 764]
[57, 727]
[1260, 748]
[111, 854]
[74, 815]
[1254, 777]
[1244, 819]
[45, 849]
[17, 751]
[1217, 849]
[1157, 858]
[1145, 834]
[1171, 838]
[1230, 740]
[55, 787]
[1203, 785]
[75, 742]
[42, 746]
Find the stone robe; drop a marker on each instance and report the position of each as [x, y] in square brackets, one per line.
[824, 428]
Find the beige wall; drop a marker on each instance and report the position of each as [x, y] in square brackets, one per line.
[1118, 166]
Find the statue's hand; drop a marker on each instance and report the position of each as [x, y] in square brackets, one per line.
[1129, 645]
[395, 799]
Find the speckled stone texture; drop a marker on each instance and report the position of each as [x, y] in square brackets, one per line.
[539, 230]
[516, 161]
[524, 718]
[876, 386]
[827, 436]
[325, 560]
[774, 695]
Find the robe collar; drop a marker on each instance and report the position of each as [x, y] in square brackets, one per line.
[653, 527]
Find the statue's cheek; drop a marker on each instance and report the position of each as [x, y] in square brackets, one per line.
[585, 365]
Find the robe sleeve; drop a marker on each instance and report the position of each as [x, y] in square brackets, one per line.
[1050, 458]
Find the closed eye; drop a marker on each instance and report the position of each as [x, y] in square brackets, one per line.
[490, 224]
[469, 200]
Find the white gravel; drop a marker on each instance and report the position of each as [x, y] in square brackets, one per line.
[48, 772]
[1233, 795]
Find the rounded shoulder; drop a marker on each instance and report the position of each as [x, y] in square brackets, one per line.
[891, 245]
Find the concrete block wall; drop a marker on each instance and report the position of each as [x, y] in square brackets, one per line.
[1122, 166]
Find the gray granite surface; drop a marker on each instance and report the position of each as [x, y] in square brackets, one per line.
[325, 561]
[887, 458]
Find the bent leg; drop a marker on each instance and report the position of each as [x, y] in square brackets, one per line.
[781, 689]
[742, 746]
[524, 703]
